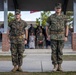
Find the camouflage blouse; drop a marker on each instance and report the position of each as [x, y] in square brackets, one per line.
[17, 28]
[57, 25]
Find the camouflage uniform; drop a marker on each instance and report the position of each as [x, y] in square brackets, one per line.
[40, 38]
[38, 30]
[57, 24]
[16, 32]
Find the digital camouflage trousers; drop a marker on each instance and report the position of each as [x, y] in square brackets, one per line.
[17, 53]
[57, 46]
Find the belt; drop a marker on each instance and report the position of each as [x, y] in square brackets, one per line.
[52, 32]
[20, 37]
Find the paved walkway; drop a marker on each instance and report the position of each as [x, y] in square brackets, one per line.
[37, 63]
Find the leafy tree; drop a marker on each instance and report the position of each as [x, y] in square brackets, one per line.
[43, 18]
[10, 17]
[37, 21]
[70, 17]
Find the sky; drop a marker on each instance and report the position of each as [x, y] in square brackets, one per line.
[25, 15]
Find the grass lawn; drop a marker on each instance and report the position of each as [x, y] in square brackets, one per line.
[65, 57]
[69, 57]
[6, 58]
[44, 73]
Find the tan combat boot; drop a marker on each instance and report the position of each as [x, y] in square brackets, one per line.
[14, 69]
[55, 67]
[19, 69]
[59, 67]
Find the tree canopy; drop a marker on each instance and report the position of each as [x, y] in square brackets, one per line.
[42, 20]
[10, 17]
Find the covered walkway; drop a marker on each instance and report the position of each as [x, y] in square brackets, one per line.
[35, 5]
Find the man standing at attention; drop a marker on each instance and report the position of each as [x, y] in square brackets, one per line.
[58, 26]
[17, 29]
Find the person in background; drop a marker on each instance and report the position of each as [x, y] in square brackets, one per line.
[32, 41]
[31, 29]
[37, 32]
[40, 40]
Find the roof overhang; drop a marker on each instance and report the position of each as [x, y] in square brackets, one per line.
[29, 5]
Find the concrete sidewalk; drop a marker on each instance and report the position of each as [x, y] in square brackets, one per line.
[37, 63]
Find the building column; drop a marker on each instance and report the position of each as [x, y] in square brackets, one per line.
[5, 43]
[74, 28]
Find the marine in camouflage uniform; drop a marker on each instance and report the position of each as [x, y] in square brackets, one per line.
[38, 30]
[40, 40]
[16, 33]
[58, 31]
